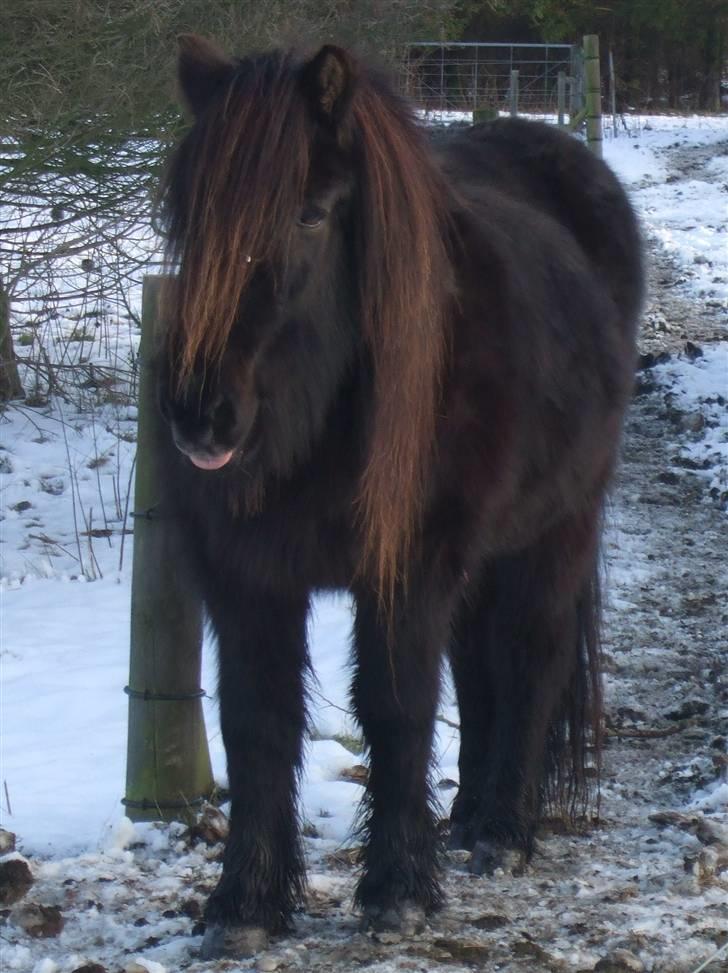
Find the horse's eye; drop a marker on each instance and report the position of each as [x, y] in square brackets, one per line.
[311, 217]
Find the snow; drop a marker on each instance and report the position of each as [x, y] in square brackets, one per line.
[689, 217]
[701, 388]
[64, 611]
[712, 798]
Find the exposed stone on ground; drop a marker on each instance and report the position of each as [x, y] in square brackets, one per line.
[268, 964]
[15, 880]
[358, 774]
[39, 921]
[7, 838]
[620, 961]
[489, 921]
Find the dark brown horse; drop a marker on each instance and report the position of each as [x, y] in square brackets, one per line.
[399, 367]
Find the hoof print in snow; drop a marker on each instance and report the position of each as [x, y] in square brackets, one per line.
[668, 477]
[232, 942]
[21, 506]
[7, 841]
[619, 961]
[39, 921]
[688, 709]
[15, 880]
[693, 351]
[693, 422]
[210, 828]
[90, 968]
[488, 857]
[649, 360]
[490, 920]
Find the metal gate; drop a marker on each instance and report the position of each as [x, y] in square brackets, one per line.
[467, 77]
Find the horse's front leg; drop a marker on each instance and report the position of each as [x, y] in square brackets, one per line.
[262, 661]
[395, 692]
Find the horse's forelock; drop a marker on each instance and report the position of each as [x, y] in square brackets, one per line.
[230, 197]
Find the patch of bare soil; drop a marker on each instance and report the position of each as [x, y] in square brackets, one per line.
[671, 316]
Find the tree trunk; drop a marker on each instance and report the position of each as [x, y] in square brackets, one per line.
[10, 384]
[709, 97]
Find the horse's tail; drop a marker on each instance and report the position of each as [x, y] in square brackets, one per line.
[574, 743]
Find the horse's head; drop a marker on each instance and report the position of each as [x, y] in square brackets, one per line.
[309, 225]
[258, 201]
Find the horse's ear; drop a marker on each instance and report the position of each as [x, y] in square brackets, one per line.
[202, 70]
[328, 81]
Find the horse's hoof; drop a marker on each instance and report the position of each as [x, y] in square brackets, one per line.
[488, 856]
[406, 918]
[234, 942]
[458, 839]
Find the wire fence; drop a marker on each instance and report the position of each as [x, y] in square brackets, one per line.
[467, 77]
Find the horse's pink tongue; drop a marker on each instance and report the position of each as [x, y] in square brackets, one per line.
[211, 462]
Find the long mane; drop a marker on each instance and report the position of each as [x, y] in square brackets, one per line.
[231, 193]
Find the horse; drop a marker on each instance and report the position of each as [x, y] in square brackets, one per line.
[397, 365]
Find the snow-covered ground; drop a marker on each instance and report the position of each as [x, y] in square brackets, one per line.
[64, 614]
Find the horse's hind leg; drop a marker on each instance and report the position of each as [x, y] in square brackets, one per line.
[523, 660]
[395, 692]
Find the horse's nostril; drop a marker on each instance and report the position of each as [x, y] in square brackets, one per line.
[223, 417]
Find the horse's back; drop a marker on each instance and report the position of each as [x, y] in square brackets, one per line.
[552, 172]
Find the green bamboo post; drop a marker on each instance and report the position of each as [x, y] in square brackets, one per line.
[592, 76]
[168, 773]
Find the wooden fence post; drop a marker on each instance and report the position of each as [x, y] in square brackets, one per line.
[592, 76]
[514, 94]
[612, 93]
[168, 773]
[561, 97]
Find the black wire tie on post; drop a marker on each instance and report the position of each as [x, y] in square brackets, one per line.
[151, 514]
[147, 805]
[147, 695]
